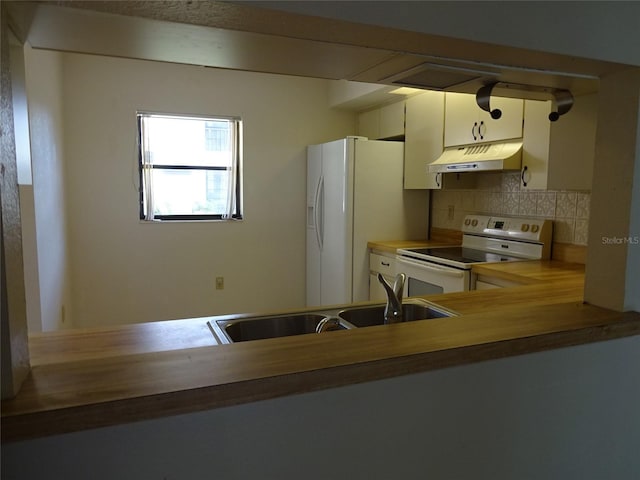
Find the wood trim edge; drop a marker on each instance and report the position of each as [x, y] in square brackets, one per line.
[569, 252]
[73, 419]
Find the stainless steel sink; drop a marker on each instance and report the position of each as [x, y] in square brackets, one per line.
[369, 316]
[258, 328]
[232, 329]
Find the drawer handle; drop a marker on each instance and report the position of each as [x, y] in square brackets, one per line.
[384, 264]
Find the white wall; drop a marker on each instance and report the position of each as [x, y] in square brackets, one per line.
[569, 413]
[20, 114]
[612, 273]
[44, 89]
[632, 280]
[127, 271]
[25, 187]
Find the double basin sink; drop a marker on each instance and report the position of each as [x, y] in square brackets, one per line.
[242, 329]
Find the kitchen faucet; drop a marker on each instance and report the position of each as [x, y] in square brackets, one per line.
[393, 309]
[328, 323]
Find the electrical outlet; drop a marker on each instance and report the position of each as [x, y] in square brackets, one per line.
[219, 283]
[451, 212]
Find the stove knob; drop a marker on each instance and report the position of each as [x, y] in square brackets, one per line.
[474, 222]
[525, 227]
[534, 228]
[467, 221]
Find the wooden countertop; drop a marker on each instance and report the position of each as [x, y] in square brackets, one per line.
[93, 378]
[532, 272]
[82, 344]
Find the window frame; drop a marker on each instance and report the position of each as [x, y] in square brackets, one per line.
[237, 213]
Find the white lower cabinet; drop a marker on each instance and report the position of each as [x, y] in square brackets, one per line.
[559, 155]
[380, 263]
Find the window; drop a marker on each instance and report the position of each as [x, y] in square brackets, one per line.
[190, 167]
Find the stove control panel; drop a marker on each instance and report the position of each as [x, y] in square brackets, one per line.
[517, 228]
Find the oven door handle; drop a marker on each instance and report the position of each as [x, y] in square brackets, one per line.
[452, 272]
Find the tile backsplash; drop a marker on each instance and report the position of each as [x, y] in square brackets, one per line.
[499, 194]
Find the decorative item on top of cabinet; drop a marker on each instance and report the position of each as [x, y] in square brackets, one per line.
[465, 122]
[385, 122]
[559, 155]
[384, 263]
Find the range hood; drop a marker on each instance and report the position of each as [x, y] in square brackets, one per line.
[506, 155]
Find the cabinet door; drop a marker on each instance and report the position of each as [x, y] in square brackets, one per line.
[460, 119]
[423, 139]
[508, 126]
[369, 124]
[559, 155]
[572, 146]
[392, 120]
[535, 145]
[465, 122]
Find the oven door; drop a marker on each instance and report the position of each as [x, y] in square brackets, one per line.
[425, 278]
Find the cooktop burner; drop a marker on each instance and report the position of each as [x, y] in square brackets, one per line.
[460, 254]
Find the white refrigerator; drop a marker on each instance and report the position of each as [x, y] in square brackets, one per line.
[355, 195]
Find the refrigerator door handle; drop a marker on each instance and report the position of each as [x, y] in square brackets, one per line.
[319, 213]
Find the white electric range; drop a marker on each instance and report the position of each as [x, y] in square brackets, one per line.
[485, 239]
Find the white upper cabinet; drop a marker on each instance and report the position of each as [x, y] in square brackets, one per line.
[383, 122]
[369, 124]
[392, 120]
[465, 122]
[556, 155]
[423, 144]
[423, 139]
[559, 155]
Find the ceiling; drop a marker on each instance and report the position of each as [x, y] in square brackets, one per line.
[222, 35]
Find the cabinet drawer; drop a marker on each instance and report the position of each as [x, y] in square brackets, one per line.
[382, 264]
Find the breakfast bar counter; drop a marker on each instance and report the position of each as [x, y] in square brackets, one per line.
[85, 379]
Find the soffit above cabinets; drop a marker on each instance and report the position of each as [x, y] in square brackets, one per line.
[84, 31]
[157, 36]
